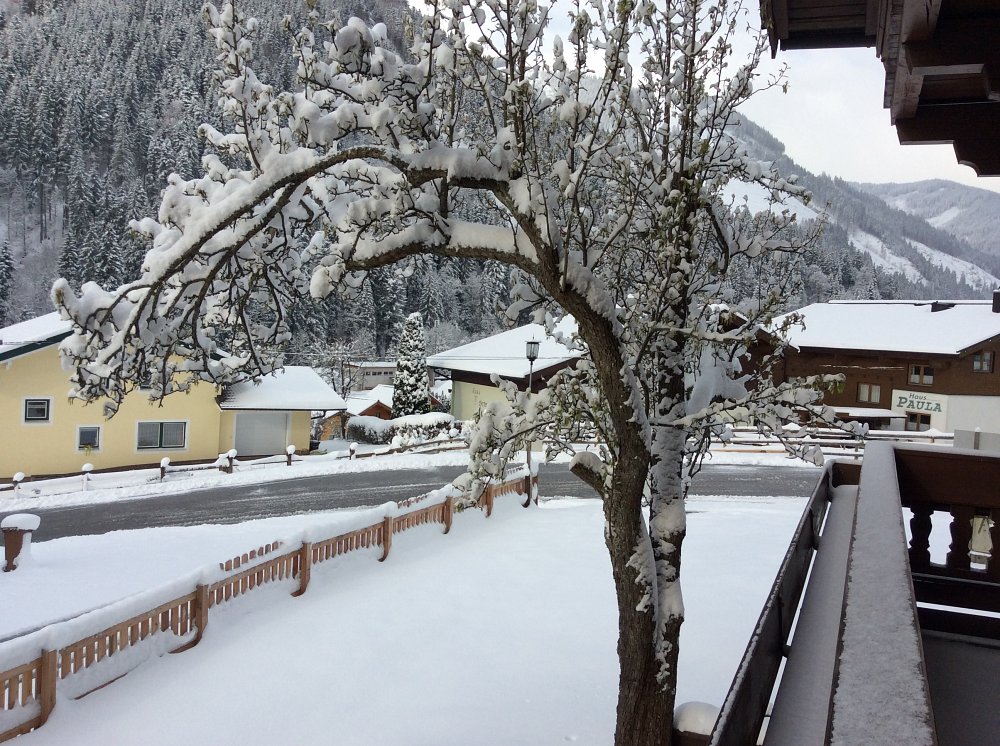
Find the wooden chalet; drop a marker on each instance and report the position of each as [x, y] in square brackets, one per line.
[913, 365]
[941, 59]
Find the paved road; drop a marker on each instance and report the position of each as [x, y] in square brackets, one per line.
[310, 494]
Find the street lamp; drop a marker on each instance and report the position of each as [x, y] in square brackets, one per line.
[530, 352]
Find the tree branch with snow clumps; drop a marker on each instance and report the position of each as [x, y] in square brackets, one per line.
[605, 155]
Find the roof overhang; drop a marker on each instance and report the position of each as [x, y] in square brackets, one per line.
[941, 59]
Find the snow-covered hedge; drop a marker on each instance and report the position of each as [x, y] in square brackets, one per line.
[414, 428]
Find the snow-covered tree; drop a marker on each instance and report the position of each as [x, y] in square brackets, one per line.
[603, 157]
[6, 279]
[410, 394]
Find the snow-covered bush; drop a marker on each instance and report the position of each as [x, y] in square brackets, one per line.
[404, 431]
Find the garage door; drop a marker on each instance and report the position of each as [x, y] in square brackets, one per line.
[261, 433]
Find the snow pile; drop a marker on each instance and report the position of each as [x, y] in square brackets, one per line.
[21, 522]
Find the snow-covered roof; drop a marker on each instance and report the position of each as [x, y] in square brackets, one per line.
[503, 353]
[295, 387]
[26, 336]
[359, 401]
[897, 326]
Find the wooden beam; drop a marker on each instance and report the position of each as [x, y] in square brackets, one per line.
[918, 20]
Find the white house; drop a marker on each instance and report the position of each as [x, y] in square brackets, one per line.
[472, 365]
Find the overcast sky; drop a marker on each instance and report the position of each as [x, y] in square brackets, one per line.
[832, 120]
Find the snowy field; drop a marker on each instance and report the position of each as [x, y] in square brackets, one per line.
[502, 632]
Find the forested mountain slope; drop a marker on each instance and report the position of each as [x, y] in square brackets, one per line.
[966, 212]
[101, 100]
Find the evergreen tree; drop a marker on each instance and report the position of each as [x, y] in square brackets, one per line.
[410, 393]
[6, 280]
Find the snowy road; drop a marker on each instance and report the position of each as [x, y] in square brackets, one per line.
[310, 494]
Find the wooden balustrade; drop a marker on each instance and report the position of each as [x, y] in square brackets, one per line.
[962, 487]
[32, 685]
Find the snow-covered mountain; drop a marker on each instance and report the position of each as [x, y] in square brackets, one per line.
[966, 212]
[923, 240]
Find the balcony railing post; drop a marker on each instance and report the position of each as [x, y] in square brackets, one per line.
[961, 536]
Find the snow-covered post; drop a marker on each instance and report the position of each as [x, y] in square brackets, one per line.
[305, 567]
[289, 452]
[449, 512]
[18, 478]
[352, 449]
[387, 526]
[231, 458]
[164, 463]
[17, 530]
[488, 499]
[86, 469]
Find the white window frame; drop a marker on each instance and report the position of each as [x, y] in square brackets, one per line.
[46, 420]
[869, 393]
[159, 446]
[982, 362]
[100, 436]
[918, 375]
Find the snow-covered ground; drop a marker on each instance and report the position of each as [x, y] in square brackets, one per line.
[883, 257]
[502, 632]
[973, 275]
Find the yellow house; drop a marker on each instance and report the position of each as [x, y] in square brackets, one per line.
[45, 432]
[473, 365]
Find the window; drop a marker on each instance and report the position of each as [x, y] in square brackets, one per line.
[36, 410]
[922, 375]
[917, 421]
[982, 362]
[88, 438]
[869, 392]
[162, 434]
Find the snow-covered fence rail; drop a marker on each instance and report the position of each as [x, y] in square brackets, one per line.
[71, 659]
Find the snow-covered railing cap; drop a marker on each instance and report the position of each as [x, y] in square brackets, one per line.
[20, 522]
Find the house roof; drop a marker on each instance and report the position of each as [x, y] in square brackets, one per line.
[503, 353]
[359, 401]
[897, 326]
[33, 334]
[294, 387]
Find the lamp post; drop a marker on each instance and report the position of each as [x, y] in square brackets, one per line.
[530, 352]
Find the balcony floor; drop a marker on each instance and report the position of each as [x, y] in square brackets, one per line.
[964, 687]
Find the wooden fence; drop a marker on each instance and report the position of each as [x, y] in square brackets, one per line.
[28, 690]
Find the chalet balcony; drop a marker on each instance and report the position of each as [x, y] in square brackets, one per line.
[883, 624]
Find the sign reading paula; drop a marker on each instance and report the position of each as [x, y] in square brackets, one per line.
[916, 401]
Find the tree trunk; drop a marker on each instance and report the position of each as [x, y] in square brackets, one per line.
[645, 703]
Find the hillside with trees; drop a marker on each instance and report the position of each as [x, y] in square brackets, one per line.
[102, 102]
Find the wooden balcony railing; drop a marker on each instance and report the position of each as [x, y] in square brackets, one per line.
[855, 649]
